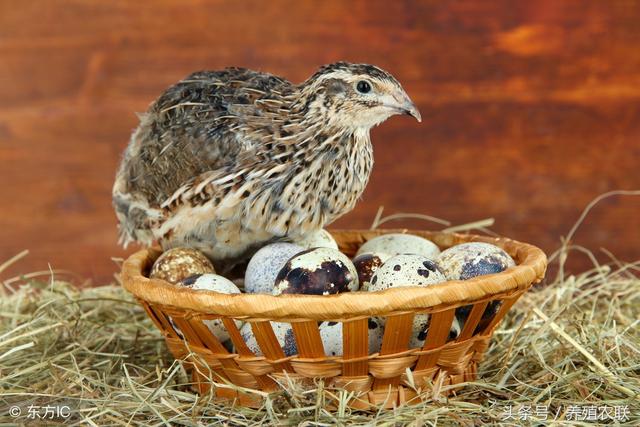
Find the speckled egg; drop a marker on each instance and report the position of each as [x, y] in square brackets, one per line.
[331, 334]
[283, 332]
[376, 333]
[366, 264]
[421, 329]
[462, 314]
[179, 263]
[406, 270]
[467, 260]
[213, 282]
[397, 243]
[265, 265]
[209, 282]
[318, 271]
[317, 239]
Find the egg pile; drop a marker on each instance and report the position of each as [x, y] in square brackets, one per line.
[314, 265]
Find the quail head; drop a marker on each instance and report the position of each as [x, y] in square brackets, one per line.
[225, 161]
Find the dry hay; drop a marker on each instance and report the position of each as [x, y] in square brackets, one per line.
[569, 350]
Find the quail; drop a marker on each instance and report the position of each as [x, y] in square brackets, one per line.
[226, 161]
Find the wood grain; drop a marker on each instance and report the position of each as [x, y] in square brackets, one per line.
[531, 109]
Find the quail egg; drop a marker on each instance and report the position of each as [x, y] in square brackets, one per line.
[462, 314]
[408, 270]
[366, 264]
[283, 332]
[179, 263]
[317, 239]
[265, 264]
[421, 329]
[467, 260]
[397, 243]
[318, 271]
[376, 332]
[331, 334]
[211, 282]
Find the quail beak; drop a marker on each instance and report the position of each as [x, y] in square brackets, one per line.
[411, 109]
[406, 106]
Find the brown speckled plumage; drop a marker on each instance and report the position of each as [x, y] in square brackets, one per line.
[225, 161]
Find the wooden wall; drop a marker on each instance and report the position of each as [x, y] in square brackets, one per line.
[531, 108]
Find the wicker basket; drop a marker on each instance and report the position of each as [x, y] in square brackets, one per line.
[395, 375]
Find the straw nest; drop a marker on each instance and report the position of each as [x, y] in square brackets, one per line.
[565, 348]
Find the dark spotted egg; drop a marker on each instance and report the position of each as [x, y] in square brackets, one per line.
[179, 263]
[467, 260]
[421, 329]
[283, 332]
[265, 265]
[212, 282]
[406, 270]
[318, 271]
[366, 264]
[375, 325]
[397, 243]
[209, 282]
[462, 314]
[331, 334]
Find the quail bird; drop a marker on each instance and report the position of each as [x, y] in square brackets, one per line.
[226, 161]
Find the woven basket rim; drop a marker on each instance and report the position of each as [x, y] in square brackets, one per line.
[530, 268]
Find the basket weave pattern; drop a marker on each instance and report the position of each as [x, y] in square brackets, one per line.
[395, 375]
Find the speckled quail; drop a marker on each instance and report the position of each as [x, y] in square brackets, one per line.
[225, 161]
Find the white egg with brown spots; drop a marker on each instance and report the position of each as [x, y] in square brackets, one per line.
[407, 270]
[210, 282]
[331, 335]
[317, 239]
[421, 330]
[468, 260]
[318, 271]
[462, 314]
[176, 264]
[375, 329]
[366, 265]
[398, 243]
[283, 332]
[215, 283]
[473, 259]
[266, 263]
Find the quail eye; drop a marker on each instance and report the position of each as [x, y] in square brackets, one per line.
[363, 86]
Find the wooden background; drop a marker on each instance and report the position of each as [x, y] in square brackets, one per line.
[531, 109]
